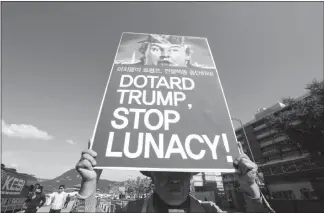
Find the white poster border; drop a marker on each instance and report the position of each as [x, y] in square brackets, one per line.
[162, 169]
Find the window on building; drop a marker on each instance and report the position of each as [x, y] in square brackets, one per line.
[280, 138]
[289, 195]
[266, 130]
[259, 129]
[275, 157]
[199, 188]
[290, 154]
[286, 148]
[308, 194]
[269, 151]
[266, 139]
[305, 194]
[267, 143]
[259, 123]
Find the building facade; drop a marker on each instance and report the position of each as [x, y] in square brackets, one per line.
[208, 186]
[208, 181]
[289, 172]
[266, 143]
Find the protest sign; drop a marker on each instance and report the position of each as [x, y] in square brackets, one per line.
[164, 108]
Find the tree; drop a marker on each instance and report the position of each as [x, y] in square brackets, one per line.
[130, 186]
[303, 120]
[147, 184]
[138, 187]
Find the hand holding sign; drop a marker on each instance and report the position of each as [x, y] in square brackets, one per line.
[247, 171]
[89, 175]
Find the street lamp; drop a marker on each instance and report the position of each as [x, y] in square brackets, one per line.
[246, 138]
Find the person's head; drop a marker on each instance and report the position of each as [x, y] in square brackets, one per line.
[39, 189]
[165, 50]
[36, 186]
[31, 188]
[61, 188]
[171, 187]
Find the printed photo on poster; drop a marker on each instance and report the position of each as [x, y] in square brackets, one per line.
[164, 50]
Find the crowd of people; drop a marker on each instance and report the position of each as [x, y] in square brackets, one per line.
[37, 199]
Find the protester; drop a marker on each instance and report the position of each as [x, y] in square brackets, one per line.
[58, 200]
[172, 190]
[98, 200]
[68, 198]
[36, 186]
[31, 191]
[35, 201]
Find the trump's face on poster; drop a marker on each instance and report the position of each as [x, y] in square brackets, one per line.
[166, 55]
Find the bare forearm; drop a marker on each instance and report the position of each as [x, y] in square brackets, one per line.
[88, 188]
[253, 191]
[86, 200]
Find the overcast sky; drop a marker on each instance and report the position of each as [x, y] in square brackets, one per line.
[56, 58]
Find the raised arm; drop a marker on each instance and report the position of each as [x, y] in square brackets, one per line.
[86, 200]
[247, 171]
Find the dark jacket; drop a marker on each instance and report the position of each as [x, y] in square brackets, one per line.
[37, 201]
[68, 198]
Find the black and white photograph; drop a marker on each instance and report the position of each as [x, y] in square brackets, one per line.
[162, 106]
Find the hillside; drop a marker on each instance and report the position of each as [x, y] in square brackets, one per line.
[72, 179]
[42, 180]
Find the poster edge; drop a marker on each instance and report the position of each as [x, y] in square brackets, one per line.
[165, 34]
[165, 169]
[104, 95]
[223, 93]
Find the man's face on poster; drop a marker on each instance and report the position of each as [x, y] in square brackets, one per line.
[166, 55]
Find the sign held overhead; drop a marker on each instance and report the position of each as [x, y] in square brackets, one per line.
[164, 108]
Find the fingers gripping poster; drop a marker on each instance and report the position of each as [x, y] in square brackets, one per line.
[164, 108]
